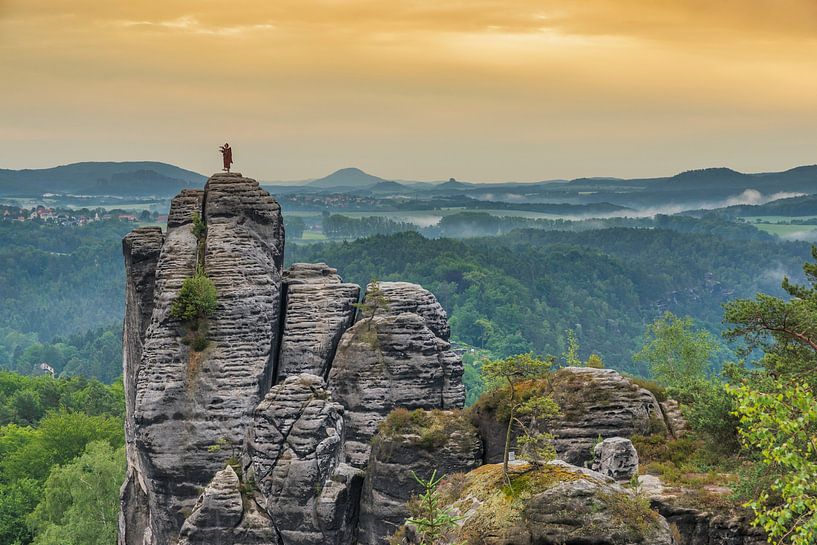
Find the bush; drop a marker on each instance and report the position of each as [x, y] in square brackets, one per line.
[196, 299]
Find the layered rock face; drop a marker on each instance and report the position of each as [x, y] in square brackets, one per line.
[294, 456]
[319, 308]
[390, 361]
[244, 441]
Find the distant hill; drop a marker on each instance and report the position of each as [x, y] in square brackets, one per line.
[801, 179]
[389, 187]
[805, 205]
[131, 178]
[353, 178]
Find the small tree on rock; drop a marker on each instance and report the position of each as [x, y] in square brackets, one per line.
[508, 376]
[374, 301]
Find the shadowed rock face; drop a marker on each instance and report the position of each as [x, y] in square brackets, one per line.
[224, 515]
[185, 402]
[446, 443]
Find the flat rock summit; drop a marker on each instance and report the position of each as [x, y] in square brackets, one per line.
[274, 434]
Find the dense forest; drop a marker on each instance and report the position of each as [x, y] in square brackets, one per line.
[523, 291]
[61, 459]
[61, 287]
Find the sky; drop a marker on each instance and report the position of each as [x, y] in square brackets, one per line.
[479, 90]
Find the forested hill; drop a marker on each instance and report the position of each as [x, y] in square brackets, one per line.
[522, 291]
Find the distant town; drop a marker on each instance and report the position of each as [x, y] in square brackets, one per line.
[78, 217]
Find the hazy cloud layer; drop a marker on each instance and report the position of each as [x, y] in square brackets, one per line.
[474, 89]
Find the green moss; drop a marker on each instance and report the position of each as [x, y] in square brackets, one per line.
[429, 430]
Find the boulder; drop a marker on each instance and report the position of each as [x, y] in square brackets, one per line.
[224, 515]
[616, 458]
[412, 443]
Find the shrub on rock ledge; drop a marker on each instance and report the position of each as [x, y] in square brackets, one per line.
[196, 299]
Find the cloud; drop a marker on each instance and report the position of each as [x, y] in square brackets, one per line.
[188, 23]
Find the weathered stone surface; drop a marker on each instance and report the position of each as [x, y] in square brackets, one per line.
[225, 516]
[185, 401]
[319, 309]
[141, 249]
[441, 441]
[387, 362]
[616, 458]
[594, 403]
[695, 525]
[294, 456]
[674, 418]
[556, 504]
[407, 297]
[311, 273]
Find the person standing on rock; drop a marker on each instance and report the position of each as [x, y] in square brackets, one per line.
[227, 155]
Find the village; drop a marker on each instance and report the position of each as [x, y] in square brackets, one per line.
[75, 217]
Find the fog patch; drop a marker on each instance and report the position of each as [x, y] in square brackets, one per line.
[808, 235]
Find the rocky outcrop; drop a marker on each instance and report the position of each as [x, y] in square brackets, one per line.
[674, 418]
[694, 523]
[224, 515]
[406, 297]
[551, 504]
[294, 455]
[409, 443]
[594, 403]
[319, 309]
[616, 458]
[187, 401]
[390, 361]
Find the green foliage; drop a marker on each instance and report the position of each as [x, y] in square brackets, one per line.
[374, 301]
[79, 503]
[199, 227]
[506, 376]
[594, 361]
[777, 406]
[571, 355]
[782, 425]
[785, 330]
[675, 352]
[197, 298]
[428, 513]
[73, 413]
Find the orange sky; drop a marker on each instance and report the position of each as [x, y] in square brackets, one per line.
[421, 89]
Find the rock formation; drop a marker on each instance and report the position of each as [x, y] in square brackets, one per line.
[421, 443]
[553, 504]
[390, 361]
[319, 308]
[243, 441]
[302, 420]
[595, 403]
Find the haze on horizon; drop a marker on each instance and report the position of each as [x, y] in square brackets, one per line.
[481, 90]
